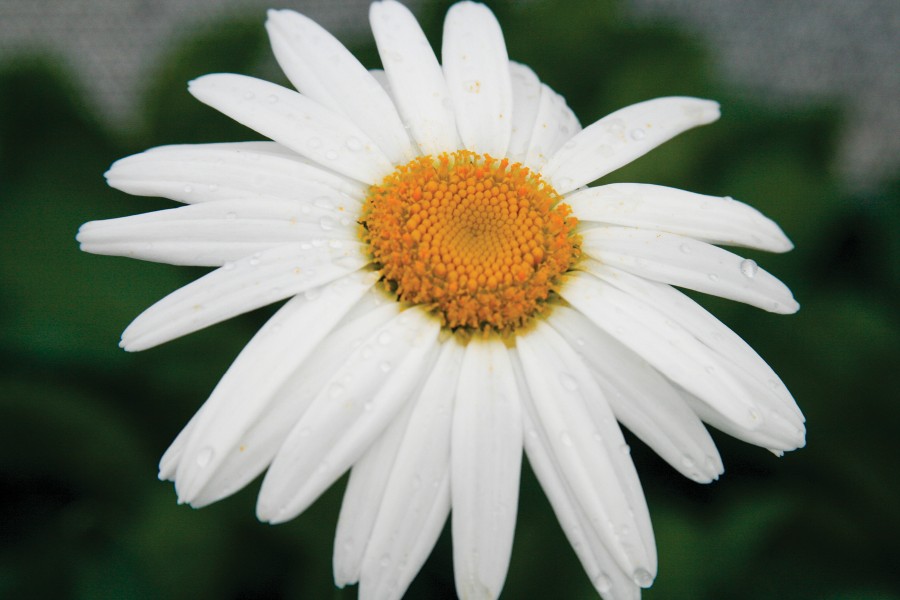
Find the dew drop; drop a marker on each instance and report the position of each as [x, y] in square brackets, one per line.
[568, 382]
[272, 98]
[565, 438]
[602, 583]
[367, 352]
[579, 341]
[188, 189]
[638, 134]
[312, 294]
[353, 144]
[204, 457]
[642, 577]
[749, 268]
[249, 95]
[314, 142]
[331, 155]
[685, 249]
[713, 277]
[384, 338]
[385, 366]
[229, 266]
[625, 449]
[213, 187]
[254, 260]
[230, 216]
[327, 223]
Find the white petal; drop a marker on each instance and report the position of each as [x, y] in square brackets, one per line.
[619, 138]
[767, 388]
[762, 436]
[242, 286]
[571, 414]
[415, 76]
[526, 92]
[707, 218]
[356, 405]
[643, 400]
[476, 68]
[215, 232]
[608, 578]
[244, 393]
[486, 457]
[664, 344]
[363, 499]
[321, 68]
[302, 125]
[688, 263]
[195, 173]
[417, 499]
[168, 464]
[554, 125]
[261, 438]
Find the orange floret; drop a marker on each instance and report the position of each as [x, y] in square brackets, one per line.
[483, 242]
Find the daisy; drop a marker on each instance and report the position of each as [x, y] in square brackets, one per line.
[455, 293]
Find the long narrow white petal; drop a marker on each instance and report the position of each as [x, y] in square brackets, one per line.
[321, 68]
[363, 500]
[770, 391]
[554, 125]
[485, 461]
[348, 415]
[476, 68]
[215, 232]
[417, 499]
[168, 464]
[643, 400]
[688, 263]
[582, 433]
[194, 173]
[241, 286]
[619, 138]
[295, 121]
[245, 391]
[664, 344]
[610, 581]
[415, 76]
[261, 438]
[526, 93]
[707, 218]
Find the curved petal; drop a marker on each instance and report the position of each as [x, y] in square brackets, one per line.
[571, 414]
[321, 68]
[352, 410]
[261, 438]
[688, 263]
[363, 499]
[213, 233]
[706, 218]
[241, 286]
[769, 389]
[476, 68]
[642, 399]
[415, 77]
[244, 393]
[193, 173]
[295, 121]
[417, 498]
[664, 344]
[619, 138]
[610, 581]
[485, 462]
[554, 125]
[526, 94]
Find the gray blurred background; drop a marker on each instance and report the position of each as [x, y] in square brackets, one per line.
[786, 53]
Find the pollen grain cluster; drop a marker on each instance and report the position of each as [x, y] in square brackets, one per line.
[484, 242]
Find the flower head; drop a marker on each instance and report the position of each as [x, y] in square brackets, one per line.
[454, 294]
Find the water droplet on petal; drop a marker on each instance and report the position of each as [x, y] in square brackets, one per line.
[314, 142]
[602, 583]
[353, 144]
[642, 577]
[568, 382]
[230, 216]
[327, 223]
[638, 134]
[749, 268]
[685, 249]
[384, 338]
[272, 99]
[713, 277]
[204, 457]
[385, 366]
[229, 266]
[565, 438]
[249, 95]
[625, 449]
[331, 155]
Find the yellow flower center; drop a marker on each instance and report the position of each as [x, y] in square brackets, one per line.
[481, 241]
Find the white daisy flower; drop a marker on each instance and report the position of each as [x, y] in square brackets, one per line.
[454, 293]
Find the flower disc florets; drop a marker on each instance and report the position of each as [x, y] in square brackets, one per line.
[482, 241]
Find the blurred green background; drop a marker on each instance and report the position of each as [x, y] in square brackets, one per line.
[82, 423]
